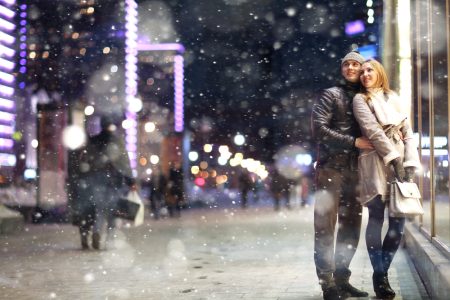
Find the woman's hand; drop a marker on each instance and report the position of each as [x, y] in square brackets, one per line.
[363, 143]
[409, 174]
[399, 171]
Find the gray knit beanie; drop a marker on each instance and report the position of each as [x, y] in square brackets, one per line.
[354, 55]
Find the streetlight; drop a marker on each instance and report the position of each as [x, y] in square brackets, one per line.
[239, 139]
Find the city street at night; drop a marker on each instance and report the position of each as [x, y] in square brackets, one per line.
[224, 149]
[205, 254]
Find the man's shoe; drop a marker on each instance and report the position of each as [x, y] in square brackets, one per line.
[346, 290]
[331, 293]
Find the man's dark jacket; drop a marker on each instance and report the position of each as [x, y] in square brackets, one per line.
[335, 128]
[106, 156]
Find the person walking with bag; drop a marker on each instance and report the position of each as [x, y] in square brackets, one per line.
[82, 209]
[379, 113]
[105, 168]
[158, 184]
[338, 139]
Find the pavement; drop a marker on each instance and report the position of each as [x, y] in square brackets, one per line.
[218, 253]
[10, 220]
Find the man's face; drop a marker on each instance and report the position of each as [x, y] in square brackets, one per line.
[351, 70]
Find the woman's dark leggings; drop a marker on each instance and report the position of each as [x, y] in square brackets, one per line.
[381, 252]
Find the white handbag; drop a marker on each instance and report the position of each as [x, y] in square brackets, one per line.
[131, 208]
[404, 200]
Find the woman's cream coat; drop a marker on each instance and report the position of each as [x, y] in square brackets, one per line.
[382, 121]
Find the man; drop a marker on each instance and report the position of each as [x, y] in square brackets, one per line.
[337, 135]
[105, 170]
[245, 185]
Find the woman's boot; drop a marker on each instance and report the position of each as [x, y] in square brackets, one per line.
[382, 287]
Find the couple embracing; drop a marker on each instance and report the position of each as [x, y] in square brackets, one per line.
[364, 140]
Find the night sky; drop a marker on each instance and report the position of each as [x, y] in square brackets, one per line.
[251, 66]
[254, 67]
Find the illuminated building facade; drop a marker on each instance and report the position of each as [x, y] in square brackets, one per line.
[72, 55]
[417, 53]
[8, 40]
[161, 88]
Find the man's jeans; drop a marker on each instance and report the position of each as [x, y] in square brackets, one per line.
[335, 199]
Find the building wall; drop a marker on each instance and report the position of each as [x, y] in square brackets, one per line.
[75, 56]
[427, 237]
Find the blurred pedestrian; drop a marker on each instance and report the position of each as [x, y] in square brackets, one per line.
[175, 190]
[104, 174]
[245, 185]
[280, 188]
[304, 191]
[81, 207]
[338, 138]
[381, 116]
[158, 185]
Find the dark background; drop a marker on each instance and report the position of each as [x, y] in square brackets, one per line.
[251, 66]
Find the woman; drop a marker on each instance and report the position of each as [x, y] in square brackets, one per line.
[378, 111]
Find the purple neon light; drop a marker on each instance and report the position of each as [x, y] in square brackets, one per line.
[179, 78]
[10, 2]
[130, 82]
[161, 47]
[6, 129]
[6, 143]
[5, 103]
[354, 27]
[131, 139]
[6, 12]
[8, 117]
[6, 64]
[7, 51]
[179, 91]
[9, 39]
[23, 46]
[5, 77]
[132, 153]
[7, 25]
[6, 90]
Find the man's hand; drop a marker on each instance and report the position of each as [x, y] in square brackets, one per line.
[363, 143]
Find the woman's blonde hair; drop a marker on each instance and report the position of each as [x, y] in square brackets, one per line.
[382, 80]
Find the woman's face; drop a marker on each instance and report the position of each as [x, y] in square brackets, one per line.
[369, 76]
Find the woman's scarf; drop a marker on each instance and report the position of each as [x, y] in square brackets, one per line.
[387, 108]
